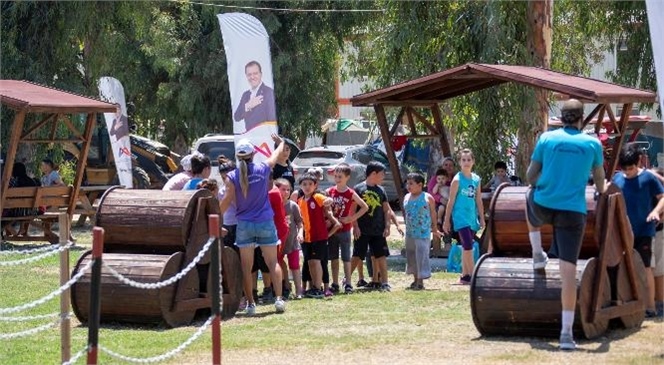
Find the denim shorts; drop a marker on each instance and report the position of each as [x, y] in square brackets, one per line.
[261, 233]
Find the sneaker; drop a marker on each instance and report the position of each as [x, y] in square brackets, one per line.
[299, 296]
[650, 314]
[465, 280]
[243, 304]
[361, 283]
[251, 309]
[314, 293]
[659, 308]
[334, 288]
[567, 342]
[348, 288]
[268, 296]
[412, 286]
[385, 287]
[279, 305]
[540, 260]
[287, 294]
[374, 285]
[328, 293]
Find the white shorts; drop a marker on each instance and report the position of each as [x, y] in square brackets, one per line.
[657, 261]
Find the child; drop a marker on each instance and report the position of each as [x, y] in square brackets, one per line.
[420, 217]
[372, 228]
[344, 201]
[441, 195]
[291, 247]
[466, 209]
[314, 246]
[499, 176]
[640, 189]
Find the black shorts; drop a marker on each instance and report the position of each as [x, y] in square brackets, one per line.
[378, 245]
[643, 245]
[314, 250]
[229, 239]
[259, 262]
[568, 228]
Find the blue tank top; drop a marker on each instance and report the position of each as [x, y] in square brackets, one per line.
[464, 212]
[567, 156]
[418, 216]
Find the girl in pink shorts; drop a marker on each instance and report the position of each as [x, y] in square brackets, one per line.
[291, 248]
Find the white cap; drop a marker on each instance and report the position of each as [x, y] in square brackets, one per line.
[186, 162]
[244, 148]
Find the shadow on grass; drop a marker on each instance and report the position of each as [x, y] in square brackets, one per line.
[9, 246]
[544, 343]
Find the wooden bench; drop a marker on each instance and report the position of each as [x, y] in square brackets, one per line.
[57, 199]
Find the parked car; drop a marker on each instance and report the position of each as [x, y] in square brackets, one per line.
[212, 145]
[357, 156]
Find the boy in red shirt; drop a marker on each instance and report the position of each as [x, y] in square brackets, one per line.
[344, 201]
[316, 234]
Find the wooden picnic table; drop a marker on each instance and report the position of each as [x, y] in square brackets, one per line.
[85, 206]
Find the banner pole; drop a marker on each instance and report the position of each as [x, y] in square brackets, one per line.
[65, 321]
[95, 295]
[215, 268]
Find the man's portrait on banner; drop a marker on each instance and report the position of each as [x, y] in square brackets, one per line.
[257, 104]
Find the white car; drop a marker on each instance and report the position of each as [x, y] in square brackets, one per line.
[213, 145]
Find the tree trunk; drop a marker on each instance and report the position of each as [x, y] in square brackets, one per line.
[535, 116]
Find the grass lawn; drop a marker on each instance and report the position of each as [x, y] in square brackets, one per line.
[402, 327]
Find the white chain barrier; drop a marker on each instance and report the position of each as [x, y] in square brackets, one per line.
[76, 357]
[36, 258]
[50, 296]
[32, 331]
[29, 318]
[165, 283]
[165, 356]
[30, 251]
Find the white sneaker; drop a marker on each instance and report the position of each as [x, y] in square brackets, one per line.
[540, 260]
[251, 309]
[280, 305]
[567, 342]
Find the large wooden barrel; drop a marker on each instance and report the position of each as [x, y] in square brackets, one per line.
[123, 303]
[154, 221]
[508, 297]
[508, 230]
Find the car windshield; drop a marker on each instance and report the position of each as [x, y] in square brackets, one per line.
[318, 158]
[214, 149]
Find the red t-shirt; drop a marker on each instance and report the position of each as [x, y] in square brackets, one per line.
[313, 217]
[341, 203]
[277, 203]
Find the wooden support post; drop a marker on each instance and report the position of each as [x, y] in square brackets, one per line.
[617, 145]
[394, 164]
[438, 123]
[95, 295]
[215, 269]
[411, 122]
[627, 240]
[397, 121]
[17, 128]
[65, 305]
[600, 118]
[590, 116]
[82, 160]
[600, 274]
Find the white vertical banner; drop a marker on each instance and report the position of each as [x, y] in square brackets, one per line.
[655, 9]
[111, 91]
[247, 48]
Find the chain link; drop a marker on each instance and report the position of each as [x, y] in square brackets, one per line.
[30, 251]
[76, 357]
[28, 318]
[50, 296]
[165, 283]
[36, 258]
[32, 331]
[165, 356]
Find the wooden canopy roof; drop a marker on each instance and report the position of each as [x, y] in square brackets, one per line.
[38, 99]
[472, 77]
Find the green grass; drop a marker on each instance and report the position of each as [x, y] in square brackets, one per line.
[402, 327]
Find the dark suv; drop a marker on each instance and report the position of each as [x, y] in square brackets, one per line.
[357, 156]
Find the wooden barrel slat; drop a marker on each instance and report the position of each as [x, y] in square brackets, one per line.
[635, 318]
[120, 302]
[509, 297]
[509, 231]
[148, 218]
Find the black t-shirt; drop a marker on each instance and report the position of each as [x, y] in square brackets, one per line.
[372, 222]
[284, 172]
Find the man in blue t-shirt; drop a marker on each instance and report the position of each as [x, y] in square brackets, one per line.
[558, 174]
[641, 190]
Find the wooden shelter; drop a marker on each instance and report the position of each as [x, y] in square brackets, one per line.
[429, 91]
[54, 108]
